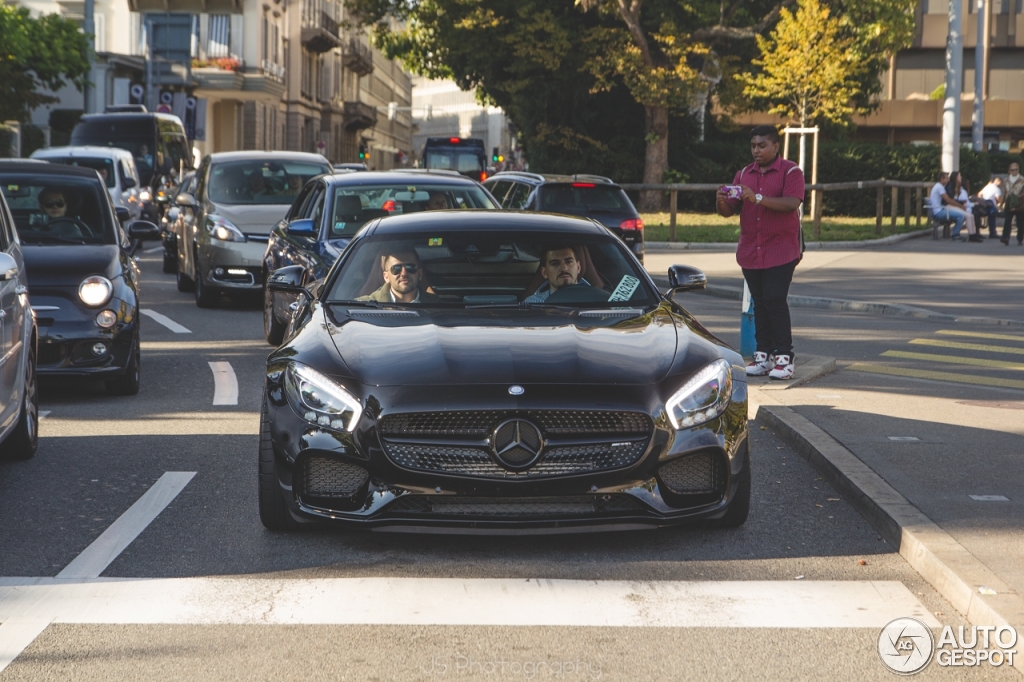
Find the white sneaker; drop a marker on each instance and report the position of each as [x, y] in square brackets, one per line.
[761, 365]
[783, 368]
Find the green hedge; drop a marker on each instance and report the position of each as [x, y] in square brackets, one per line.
[837, 162]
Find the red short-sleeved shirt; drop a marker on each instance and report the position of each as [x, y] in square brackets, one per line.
[769, 238]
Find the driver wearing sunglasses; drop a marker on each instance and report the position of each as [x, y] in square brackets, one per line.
[52, 202]
[402, 277]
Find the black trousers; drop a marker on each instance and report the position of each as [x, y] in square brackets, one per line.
[1007, 224]
[769, 289]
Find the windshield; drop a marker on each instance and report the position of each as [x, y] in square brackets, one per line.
[486, 269]
[583, 198]
[456, 160]
[105, 167]
[356, 205]
[261, 182]
[59, 210]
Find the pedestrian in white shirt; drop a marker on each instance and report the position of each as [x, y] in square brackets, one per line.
[991, 197]
[945, 208]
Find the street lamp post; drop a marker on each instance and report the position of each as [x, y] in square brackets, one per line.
[89, 26]
[954, 80]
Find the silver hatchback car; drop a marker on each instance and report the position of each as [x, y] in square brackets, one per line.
[239, 198]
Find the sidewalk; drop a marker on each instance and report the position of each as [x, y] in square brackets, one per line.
[962, 280]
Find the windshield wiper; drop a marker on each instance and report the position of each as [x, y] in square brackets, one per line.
[52, 238]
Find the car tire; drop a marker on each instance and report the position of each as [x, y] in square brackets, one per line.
[739, 508]
[185, 283]
[129, 382]
[170, 263]
[23, 442]
[274, 511]
[272, 328]
[205, 297]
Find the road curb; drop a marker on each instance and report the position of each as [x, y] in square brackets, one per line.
[946, 564]
[669, 247]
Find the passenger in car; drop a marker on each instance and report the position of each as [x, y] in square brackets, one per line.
[403, 274]
[436, 202]
[561, 268]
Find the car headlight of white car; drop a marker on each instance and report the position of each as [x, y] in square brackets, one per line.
[705, 396]
[222, 229]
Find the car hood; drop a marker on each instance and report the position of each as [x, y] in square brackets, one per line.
[458, 347]
[67, 265]
[252, 218]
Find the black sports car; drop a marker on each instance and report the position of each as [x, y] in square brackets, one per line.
[83, 283]
[486, 371]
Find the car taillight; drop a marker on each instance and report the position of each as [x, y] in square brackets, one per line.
[454, 140]
[631, 224]
[582, 184]
[388, 205]
[483, 175]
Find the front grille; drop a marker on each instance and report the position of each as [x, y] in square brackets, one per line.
[694, 475]
[480, 424]
[440, 505]
[51, 354]
[323, 477]
[556, 461]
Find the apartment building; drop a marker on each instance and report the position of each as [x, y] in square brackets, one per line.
[907, 111]
[456, 113]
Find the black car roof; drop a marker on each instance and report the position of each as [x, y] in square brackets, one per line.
[398, 178]
[481, 220]
[553, 178]
[47, 169]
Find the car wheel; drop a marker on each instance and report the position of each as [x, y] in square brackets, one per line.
[129, 382]
[185, 283]
[24, 440]
[272, 328]
[273, 510]
[736, 515]
[170, 263]
[205, 297]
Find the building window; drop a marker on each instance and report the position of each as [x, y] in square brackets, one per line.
[219, 44]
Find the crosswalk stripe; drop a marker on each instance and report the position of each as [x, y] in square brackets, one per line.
[980, 335]
[872, 368]
[983, 348]
[455, 601]
[956, 360]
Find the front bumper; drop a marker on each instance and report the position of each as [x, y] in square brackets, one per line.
[220, 258]
[368, 489]
[68, 333]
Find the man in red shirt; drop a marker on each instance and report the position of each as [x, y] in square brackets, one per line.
[769, 248]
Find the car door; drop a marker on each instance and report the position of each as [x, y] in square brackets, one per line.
[13, 300]
[518, 197]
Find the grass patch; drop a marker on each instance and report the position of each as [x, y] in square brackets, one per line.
[710, 227]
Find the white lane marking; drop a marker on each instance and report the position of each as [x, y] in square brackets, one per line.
[444, 601]
[989, 498]
[905, 439]
[16, 635]
[225, 385]
[122, 532]
[165, 321]
[43, 414]
[153, 249]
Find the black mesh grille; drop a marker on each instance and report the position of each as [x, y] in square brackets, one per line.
[556, 461]
[694, 475]
[323, 477]
[480, 424]
[514, 506]
[51, 354]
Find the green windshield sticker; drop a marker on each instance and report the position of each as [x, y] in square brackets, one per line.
[435, 241]
[624, 292]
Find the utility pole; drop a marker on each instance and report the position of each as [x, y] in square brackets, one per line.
[954, 82]
[89, 27]
[980, 73]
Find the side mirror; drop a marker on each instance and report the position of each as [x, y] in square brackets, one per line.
[8, 267]
[123, 214]
[186, 200]
[143, 230]
[302, 228]
[128, 183]
[288, 280]
[172, 214]
[685, 278]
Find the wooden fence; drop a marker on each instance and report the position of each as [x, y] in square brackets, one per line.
[910, 205]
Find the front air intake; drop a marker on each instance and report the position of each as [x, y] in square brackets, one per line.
[330, 478]
[698, 474]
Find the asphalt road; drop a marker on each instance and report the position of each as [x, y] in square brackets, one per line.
[799, 592]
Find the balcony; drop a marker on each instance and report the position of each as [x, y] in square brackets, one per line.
[358, 115]
[357, 57]
[320, 32]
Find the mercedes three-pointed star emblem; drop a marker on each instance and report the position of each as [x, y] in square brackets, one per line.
[517, 444]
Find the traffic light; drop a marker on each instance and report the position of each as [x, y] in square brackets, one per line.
[362, 151]
[494, 155]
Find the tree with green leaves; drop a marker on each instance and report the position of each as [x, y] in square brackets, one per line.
[39, 54]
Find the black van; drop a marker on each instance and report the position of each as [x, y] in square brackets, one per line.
[462, 154]
[157, 141]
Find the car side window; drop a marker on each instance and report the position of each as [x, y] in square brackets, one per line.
[518, 196]
[499, 189]
[201, 181]
[317, 212]
[300, 202]
[6, 223]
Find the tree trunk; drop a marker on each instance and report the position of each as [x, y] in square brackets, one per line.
[655, 158]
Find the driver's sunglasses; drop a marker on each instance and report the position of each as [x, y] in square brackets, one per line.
[51, 203]
[411, 268]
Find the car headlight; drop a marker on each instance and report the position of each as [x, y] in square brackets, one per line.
[222, 229]
[145, 195]
[704, 397]
[319, 400]
[95, 291]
